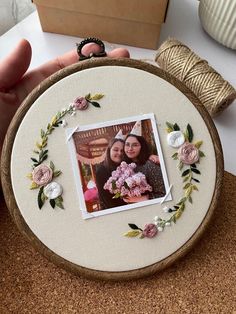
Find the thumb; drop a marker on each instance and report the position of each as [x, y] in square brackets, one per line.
[14, 66]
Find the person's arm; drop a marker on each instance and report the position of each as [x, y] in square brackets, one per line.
[155, 179]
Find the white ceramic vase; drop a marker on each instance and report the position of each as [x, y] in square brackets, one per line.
[218, 18]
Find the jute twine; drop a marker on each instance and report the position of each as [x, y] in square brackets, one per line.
[213, 91]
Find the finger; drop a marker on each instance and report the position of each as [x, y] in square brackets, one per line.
[119, 53]
[34, 77]
[14, 66]
[72, 57]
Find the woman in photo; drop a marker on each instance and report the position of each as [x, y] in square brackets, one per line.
[114, 156]
[136, 150]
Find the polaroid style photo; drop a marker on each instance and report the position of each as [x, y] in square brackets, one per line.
[118, 165]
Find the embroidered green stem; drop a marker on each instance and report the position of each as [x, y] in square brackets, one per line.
[42, 175]
[188, 156]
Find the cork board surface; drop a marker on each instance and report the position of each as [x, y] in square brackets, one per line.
[202, 282]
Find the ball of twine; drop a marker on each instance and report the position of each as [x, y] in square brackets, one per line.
[213, 91]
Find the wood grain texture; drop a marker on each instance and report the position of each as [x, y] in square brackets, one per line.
[6, 172]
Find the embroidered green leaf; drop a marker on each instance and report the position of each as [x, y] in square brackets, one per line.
[97, 97]
[54, 120]
[195, 188]
[42, 159]
[190, 199]
[189, 133]
[30, 176]
[43, 153]
[34, 160]
[58, 203]
[51, 165]
[52, 203]
[185, 172]
[186, 179]
[34, 186]
[195, 170]
[56, 173]
[201, 154]
[173, 218]
[88, 96]
[175, 156]
[188, 191]
[60, 198]
[40, 201]
[132, 233]
[176, 127]
[180, 165]
[42, 133]
[177, 215]
[170, 127]
[186, 186]
[196, 180]
[95, 104]
[182, 200]
[198, 144]
[134, 227]
[193, 166]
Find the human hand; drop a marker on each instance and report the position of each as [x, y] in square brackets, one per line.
[16, 83]
[136, 199]
[155, 159]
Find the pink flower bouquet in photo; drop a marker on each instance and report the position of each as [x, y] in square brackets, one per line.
[124, 182]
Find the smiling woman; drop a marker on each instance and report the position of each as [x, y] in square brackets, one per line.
[137, 150]
[114, 156]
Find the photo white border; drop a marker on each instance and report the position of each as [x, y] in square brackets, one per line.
[76, 171]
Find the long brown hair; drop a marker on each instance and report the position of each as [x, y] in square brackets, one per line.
[111, 165]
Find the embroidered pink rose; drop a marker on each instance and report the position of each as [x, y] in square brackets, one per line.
[188, 153]
[150, 230]
[42, 175]
[80, 103]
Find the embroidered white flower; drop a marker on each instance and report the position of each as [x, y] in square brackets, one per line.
[167, 224]
[166, 209]
[156, 218]
[52, 190]
[63, 123]
[175, 139]
[160, 229]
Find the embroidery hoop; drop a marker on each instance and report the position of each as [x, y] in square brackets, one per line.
[16, 213]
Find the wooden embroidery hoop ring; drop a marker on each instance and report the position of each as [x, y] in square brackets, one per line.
[6, 171]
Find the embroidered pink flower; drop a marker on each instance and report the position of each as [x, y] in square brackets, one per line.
[42, 175]
[80, 103]
[188, 153]
[150, 230]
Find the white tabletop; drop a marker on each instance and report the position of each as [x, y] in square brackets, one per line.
[182, 23]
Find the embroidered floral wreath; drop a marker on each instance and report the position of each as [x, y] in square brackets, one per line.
[188, 155]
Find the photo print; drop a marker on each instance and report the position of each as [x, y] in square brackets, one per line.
[118, 165]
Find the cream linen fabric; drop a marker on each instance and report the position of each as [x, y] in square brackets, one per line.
[98, 243]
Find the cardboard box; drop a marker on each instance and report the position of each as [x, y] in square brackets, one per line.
[130, 22]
